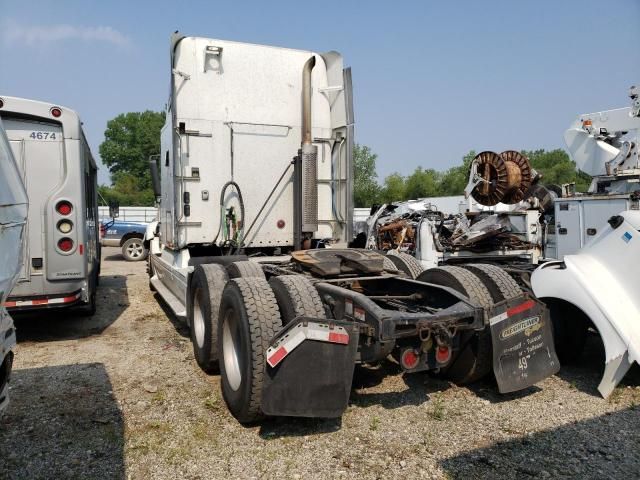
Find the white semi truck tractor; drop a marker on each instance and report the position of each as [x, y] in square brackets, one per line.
[13, 218]
[254, 184]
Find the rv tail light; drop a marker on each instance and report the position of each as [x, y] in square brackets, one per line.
[280, 224]
[65, 226]
[56, 112]
[409, 359]
[65, 244]
[64, 208]
[443, 354]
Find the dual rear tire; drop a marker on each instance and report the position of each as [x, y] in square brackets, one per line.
[233, 315]
[251, 313]
[485, 285]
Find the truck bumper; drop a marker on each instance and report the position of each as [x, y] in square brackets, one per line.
[522, 340]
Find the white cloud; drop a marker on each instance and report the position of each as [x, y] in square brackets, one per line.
[39, 35]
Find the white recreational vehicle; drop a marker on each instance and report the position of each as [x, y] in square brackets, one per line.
[61, 249]
[13, 219]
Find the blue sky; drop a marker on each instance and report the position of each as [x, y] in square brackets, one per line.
[432, 80]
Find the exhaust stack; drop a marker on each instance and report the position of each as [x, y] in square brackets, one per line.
[308, 160]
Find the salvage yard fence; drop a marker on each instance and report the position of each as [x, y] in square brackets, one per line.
[130, 214]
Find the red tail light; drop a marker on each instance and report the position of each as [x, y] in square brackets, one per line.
[409, 359]
[64, 207]
[56, 112]
[65, 244]
[443, 354]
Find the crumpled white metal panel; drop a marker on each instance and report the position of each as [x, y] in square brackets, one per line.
[13, 217]
[602, 281]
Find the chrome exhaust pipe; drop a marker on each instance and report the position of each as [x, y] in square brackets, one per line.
[309, 157]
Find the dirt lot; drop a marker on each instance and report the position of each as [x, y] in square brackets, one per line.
[120, 396]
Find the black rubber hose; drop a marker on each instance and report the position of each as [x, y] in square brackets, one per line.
[222, 194]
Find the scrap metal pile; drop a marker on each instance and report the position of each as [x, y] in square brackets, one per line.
[505, 178]
[395, 227]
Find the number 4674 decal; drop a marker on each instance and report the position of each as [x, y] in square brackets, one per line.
[43, 135]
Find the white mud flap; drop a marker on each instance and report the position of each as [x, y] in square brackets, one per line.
[309, 369]
[523, 349]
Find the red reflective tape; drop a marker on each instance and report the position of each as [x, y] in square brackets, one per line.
[520, 308]
[339, 338]
[70, 299]
[41, 301]
[277, 357]
[81, 249]
[9, 304]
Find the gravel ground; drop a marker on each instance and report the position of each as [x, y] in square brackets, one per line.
[120, 396]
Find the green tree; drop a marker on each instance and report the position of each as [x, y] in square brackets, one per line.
[557, 168]
[126, 191]
[365, 186]
[422, 183]
[453, 181]
[129, 140]
[393, 189]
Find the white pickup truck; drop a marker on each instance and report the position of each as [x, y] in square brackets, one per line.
[13, 217]
[598, 286]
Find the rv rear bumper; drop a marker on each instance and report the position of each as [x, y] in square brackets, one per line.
[45, 301]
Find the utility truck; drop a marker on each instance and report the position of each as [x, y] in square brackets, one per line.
[254, 184]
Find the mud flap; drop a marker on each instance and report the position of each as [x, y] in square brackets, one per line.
[309, 369]
[523, 348]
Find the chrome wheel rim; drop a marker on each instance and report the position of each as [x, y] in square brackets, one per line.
[230, 350]
[198, 320]
[135, 250]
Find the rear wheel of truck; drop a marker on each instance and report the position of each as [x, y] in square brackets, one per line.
[389, 266]
[406, 263]
[474, 359]
[205, 294]
[249, 318]
[245, 269]
[500, 284]
[296, 297]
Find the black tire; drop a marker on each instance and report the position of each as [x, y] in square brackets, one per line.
[406, 263]
[500, 284]
[389, 266]
[133, 250]
[151, 274]
[89, 309]
[245, 269]
[296, 296]
[205, 294]
[474, 359]
[570, 330]
[249, 318]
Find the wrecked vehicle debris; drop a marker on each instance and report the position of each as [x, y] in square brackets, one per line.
[13, 217]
